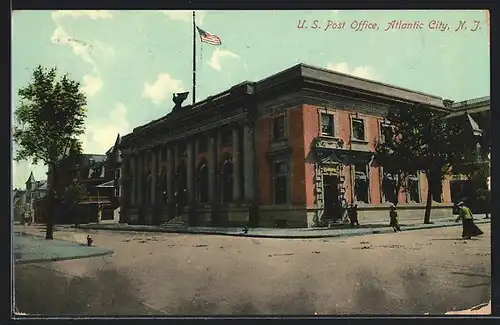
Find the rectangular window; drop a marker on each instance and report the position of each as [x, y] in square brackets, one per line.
[389, 187]
[361, 183]
[327, 125]
[279, 127]
[358, 129]
[280, 182]
[386, 133]
[413, 192]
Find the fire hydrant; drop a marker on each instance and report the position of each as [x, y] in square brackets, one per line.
[89, 240]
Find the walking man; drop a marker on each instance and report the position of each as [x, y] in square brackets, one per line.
[353, 215]
[393, 214]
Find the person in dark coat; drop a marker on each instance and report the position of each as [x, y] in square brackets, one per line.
[353, 215]
[393, 215]
[469, 228]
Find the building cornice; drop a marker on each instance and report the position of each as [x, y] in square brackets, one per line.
[300, 78]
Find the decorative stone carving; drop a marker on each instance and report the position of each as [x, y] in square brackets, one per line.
[178, 98]
[325, 143]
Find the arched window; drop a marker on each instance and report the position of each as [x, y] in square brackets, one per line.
[163, 187]
[203, 183]
[227, 181]
[181, 178]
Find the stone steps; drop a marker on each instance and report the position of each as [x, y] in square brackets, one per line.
[175, 223]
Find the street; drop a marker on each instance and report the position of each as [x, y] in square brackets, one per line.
[416, 272]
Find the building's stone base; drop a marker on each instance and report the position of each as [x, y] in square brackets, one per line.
[131, 216]
[205, 216]
[237, 215]
[374, 213]
[285, 216]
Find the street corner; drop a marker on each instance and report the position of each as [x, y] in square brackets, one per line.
[33, 249]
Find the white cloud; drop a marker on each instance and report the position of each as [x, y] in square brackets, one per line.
[217, 55]
[81, 48]
[161, 88]
[93, 14]
[365, 72]
[101, 135]
[92, 85]
[185, 15]
[59, 36]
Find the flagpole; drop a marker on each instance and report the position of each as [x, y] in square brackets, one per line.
[194, 58]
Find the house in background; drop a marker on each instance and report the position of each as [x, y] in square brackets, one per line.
[98, 173]
[477, 112]
[19, 206]
[25, 200]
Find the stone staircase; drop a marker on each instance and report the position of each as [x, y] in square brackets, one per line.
[175, 223]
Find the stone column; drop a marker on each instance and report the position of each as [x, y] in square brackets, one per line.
[190, 171]
[170, 173]
[140, 178]
[248, 163]
[159, 190]
[218, 188]
[196, 175]
[154, 175]
[236, 165]
[212, 141]
[133, 180]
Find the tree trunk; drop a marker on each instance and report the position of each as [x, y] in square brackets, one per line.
[50, 213]
[428, 203]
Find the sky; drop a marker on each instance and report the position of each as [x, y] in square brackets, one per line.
[130, 63]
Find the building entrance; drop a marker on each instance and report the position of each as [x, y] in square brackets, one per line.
[331, 196]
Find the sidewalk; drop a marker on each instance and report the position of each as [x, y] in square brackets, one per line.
[298, 233]
[31, 249]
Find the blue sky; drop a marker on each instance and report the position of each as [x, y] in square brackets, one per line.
[130, 62]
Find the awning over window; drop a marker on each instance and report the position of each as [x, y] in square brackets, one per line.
[107, 184]
[360, 176]
[476, 130]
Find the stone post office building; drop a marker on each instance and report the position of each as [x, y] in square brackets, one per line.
[278, 152]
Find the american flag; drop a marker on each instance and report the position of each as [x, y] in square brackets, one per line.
[208, 38]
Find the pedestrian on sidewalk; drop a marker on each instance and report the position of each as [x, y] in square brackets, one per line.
[353, 215]
[344, 214]
[469, 228]
[393, 215]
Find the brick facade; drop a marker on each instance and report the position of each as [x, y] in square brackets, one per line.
[284, 168]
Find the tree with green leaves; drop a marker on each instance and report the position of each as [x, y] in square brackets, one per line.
[396, 153]
[72, 196]
[48, 121]
[424, 140]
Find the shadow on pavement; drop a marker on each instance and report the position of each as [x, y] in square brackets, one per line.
[106, 292]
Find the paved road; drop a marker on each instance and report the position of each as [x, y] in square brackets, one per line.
[416, 272]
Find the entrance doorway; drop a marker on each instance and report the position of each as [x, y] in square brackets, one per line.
[331, 196]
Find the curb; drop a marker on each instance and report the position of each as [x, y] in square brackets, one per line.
[372, 232]
[56, 259]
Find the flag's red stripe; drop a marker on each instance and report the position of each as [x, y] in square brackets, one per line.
[211, 40]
